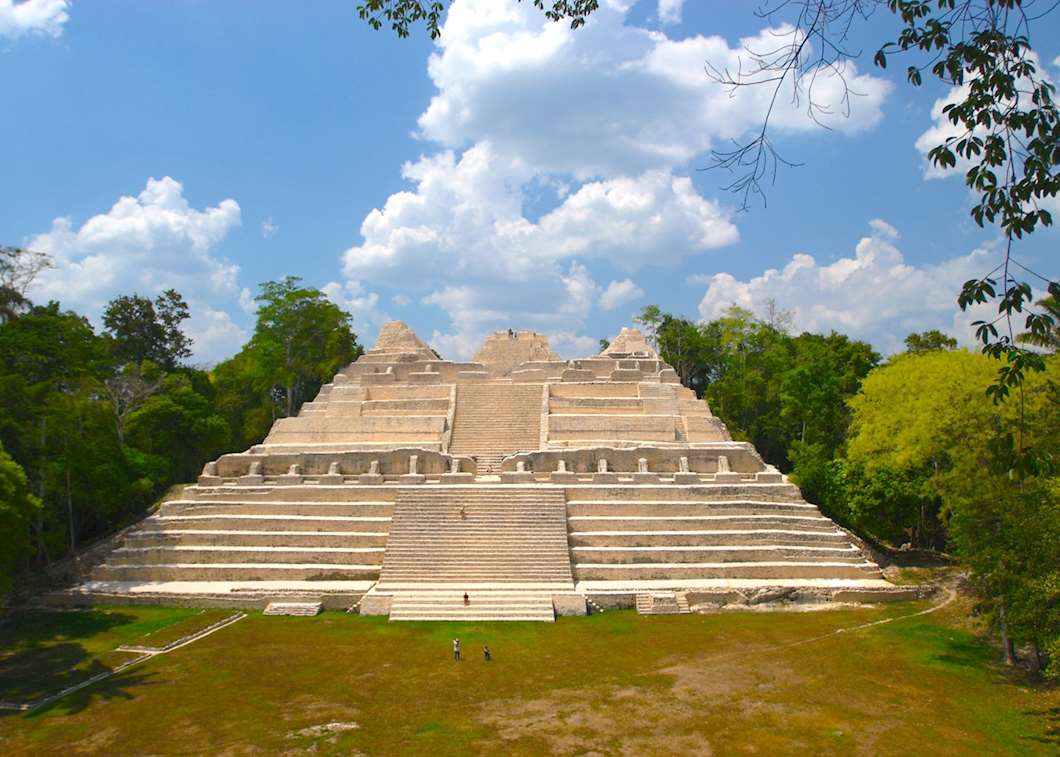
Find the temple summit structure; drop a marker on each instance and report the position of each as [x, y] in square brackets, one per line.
[537, 486]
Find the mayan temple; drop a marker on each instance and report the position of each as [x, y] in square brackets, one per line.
[537, 486]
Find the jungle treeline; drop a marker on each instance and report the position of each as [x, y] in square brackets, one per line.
[907, 451]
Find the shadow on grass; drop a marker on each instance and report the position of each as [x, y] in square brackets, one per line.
[32, 627]
[35, 674]
[46, 654]
[1051, 716]
[118, 686]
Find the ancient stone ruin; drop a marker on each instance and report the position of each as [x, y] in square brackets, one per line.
[537, 485]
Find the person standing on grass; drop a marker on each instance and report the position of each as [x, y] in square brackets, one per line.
[456, 649]
[486, 656]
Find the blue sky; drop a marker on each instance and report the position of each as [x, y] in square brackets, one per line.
[515, 173]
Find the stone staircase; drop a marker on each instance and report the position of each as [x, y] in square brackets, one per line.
[496, 420]
[506, 535]
[731, 531]
[662, 603]
[481, 605]
[265, 533]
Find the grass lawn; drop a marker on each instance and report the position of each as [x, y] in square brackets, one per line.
[43, 652]
[616, 683]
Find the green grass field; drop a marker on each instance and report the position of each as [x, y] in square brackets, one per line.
[616, 683]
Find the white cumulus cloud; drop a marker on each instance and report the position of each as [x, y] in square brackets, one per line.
[609, 98]
[670, 11]
[147, 244]
[557, 152]
[46, 17]
[619, 293]
[874, 295]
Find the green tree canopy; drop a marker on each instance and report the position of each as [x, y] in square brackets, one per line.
[145, 330]
[18, 509]
[929, 341]
[300, 341]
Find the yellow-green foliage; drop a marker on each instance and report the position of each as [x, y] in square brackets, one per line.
[929, 413]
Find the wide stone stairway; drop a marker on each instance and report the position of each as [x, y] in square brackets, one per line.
[465, 536]
[266, 533]
[495, 420]
[448, 604]
[650, 535]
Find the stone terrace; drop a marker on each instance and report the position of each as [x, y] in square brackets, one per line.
[537, 486]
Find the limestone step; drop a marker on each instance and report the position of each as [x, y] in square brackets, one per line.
[587, 523]
[480, 606]
[236, 572]
[716, 537]
[302, 609]
[273, 522]
[237, 554]
[705, 570]
[278, 508]
[160, 537]
[701, 492]
[693, 507]
[717, 554]
[300, 493]
[662, 603]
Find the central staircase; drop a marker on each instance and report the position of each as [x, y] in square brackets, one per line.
[481, 605]
[463, 536]
[496, 420]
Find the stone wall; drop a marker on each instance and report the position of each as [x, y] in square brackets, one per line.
[742, 457]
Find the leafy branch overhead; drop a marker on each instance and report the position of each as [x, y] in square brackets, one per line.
[402, 14]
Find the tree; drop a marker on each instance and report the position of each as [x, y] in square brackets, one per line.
[650, 318]
[180, 425]
[128, 389]
[18, 268]
[145, 330]
[923, 416]
[1007, 134]
[681, 345]
[929, 341]
[1048, 340]
[301, 339]
[18, 509]
[401, 14]
[604, 344]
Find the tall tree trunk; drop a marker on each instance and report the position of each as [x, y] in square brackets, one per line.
[42, 545]
[70, 509]
[1007, 645]
[1037, 658]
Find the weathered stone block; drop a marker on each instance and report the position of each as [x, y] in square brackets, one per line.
[686, 478]
[517, 477]
[370, 478]
[563, 477]
[727, 477]
[569, 604]
[645, 478]
[375, 604]
[410, 479]
[575, 374]
[458, 478]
